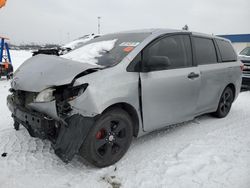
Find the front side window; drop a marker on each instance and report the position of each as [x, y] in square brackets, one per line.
[168, 53]
[205, 51]
[226, 51]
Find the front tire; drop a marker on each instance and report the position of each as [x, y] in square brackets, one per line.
[225, 103]
[109, 139]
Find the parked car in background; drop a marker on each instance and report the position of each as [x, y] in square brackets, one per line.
[93, 100]
[245, 58]
[57, 51]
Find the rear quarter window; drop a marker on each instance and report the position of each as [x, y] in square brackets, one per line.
[226, 50]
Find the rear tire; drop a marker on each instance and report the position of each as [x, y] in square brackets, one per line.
[225, 103]
[109, 139]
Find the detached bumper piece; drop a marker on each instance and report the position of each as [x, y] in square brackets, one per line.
[66, 137]
[71, 136]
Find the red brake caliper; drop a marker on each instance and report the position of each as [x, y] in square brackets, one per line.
[100, 134]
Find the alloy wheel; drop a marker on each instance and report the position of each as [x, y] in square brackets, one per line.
[111, 138]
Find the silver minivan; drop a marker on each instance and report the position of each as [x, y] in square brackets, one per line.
[95, 99]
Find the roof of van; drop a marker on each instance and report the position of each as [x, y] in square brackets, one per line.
[153, 30]
[166, 31]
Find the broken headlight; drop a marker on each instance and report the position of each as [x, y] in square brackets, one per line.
[46, 95]
[61, 93]
[72, 92]
[66, 94]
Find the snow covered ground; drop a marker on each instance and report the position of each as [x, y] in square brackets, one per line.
[206, 152]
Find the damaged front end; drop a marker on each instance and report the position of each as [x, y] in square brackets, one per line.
[54, 120]
[48, 114]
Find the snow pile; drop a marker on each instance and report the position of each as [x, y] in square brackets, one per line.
[78, 42]
[90, 52]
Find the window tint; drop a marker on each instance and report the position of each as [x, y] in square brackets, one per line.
[205, 51]
[176, 49]
[226, 51]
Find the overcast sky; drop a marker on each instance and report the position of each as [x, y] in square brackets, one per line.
[57, 21]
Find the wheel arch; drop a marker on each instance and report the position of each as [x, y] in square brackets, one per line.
[232, 86]
[131, 111]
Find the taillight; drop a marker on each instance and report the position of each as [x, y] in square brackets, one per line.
[242, 67]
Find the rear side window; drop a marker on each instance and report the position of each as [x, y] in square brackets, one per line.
[205, 51]
[226, 51]
[176, 48]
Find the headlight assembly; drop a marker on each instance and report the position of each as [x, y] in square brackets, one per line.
[61, 93]
[73, 92]
[46, 95]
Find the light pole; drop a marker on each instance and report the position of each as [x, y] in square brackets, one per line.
[99, 25]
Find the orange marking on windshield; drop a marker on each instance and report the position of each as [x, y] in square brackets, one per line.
[128, 49]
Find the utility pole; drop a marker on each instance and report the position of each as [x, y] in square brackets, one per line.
[99, 25]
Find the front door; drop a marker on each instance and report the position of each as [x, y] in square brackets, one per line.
[170, 92]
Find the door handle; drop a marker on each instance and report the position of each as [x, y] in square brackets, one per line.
[193, 75]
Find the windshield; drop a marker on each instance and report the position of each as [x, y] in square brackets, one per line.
[107, 50]
[245, 52]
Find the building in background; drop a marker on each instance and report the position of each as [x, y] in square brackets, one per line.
[240, 41]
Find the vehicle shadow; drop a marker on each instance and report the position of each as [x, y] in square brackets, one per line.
[244, 90]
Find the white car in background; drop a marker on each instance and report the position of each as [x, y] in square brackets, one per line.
[61, 50]
[79, 42]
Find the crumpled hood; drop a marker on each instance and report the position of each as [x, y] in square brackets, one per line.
[44, 71]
